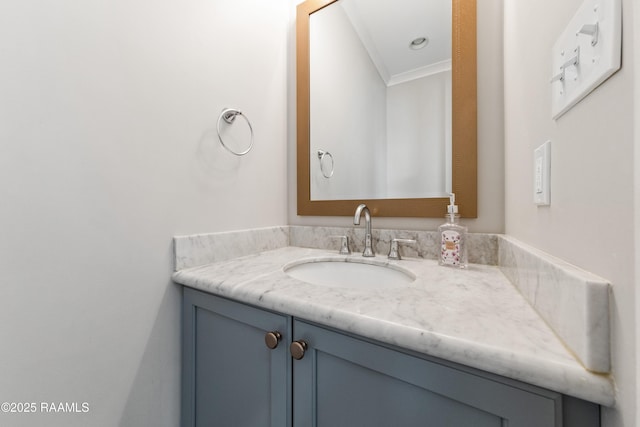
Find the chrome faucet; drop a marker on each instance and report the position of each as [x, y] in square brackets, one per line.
[368, 251]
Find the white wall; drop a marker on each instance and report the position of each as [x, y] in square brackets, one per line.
[590, 222]
[490, 137]
[419, 137]
[107, 150]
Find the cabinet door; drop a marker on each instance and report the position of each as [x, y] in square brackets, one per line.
[230, 376]
[345, 381]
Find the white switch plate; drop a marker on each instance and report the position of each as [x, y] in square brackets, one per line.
[542, 174]
[598, 55]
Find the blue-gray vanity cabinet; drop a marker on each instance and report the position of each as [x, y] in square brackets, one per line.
[230, 378]
[349, 381]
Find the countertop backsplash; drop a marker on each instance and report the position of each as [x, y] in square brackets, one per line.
[483, 248]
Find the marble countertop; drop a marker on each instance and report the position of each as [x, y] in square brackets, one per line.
[474, 317]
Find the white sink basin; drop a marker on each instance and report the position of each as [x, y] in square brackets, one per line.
[353, 273]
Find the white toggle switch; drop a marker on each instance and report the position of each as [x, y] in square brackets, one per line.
[542, 174]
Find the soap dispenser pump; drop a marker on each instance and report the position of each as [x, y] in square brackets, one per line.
[453, 238]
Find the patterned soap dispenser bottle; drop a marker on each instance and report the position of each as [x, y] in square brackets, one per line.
[453, 238]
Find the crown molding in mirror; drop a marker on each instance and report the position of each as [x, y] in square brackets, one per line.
[464, 123]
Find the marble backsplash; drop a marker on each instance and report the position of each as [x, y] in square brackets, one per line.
[200, 249]
[482, 248]
[573, 302]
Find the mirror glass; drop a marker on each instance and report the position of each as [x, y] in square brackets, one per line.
[386, 106]
[380, 99]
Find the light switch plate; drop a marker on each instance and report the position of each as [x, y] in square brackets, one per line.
[586, 54]
[542, 174]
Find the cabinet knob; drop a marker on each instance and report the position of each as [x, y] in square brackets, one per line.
[297, 349]
[272, 339]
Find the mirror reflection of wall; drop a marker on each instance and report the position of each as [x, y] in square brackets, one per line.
[382, 109]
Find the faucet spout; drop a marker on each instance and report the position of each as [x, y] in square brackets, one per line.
[368, 250]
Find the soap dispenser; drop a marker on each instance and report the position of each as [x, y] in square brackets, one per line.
[453, 238]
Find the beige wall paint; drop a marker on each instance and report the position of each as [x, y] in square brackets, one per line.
[490, 136]
[590, 221]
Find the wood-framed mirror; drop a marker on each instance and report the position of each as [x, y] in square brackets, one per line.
[463, 128]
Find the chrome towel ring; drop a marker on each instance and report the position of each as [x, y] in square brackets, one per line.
[321, 155]
[229, 116]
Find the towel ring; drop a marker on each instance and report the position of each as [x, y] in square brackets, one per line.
[229, 116]
[321, 155]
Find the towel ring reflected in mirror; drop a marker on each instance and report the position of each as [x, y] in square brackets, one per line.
[321, 155]
[463, 129]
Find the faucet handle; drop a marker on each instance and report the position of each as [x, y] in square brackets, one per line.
[393, 250]
[344, 244]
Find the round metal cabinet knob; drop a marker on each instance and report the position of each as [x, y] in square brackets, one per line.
[271, 339]
[297, 349]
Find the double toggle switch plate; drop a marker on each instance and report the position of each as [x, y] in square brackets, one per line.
[586, 53]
